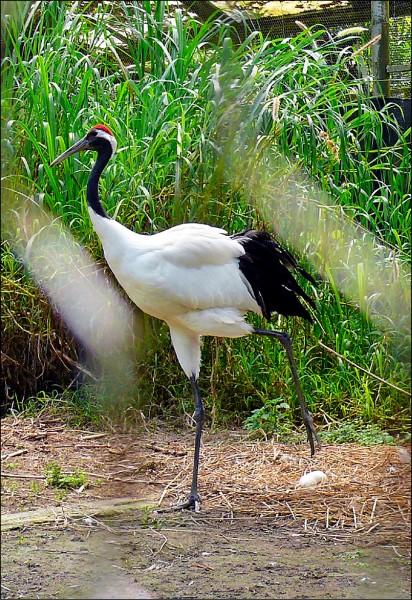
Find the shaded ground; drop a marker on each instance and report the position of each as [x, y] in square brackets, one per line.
[258, 536]
[195, 557]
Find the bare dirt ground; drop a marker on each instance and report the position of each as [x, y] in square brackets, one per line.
[259, 535]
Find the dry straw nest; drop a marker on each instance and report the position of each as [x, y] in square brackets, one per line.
[367, 488]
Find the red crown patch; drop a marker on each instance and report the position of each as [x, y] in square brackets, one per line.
[103, 128]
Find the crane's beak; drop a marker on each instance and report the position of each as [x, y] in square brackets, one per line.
[82, 144]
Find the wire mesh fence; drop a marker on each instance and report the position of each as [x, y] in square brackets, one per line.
[278, 19]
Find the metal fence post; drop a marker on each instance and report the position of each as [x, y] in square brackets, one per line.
[380, 50]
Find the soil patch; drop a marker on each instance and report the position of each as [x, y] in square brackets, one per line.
[259, 535]
[189, 556]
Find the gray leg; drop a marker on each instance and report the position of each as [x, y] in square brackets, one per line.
[284, 339]
[193, 501]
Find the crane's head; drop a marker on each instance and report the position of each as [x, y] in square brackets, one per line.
[99, 138]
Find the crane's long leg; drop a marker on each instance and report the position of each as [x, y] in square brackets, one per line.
[193, 501]
[284, 339]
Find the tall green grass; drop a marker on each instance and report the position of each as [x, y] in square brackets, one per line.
[194, 111]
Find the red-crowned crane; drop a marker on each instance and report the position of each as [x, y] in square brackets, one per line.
[199, 280]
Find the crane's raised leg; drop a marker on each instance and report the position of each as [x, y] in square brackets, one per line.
[193, 501]
[284, 339]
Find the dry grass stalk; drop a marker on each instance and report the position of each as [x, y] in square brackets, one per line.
[371, 42]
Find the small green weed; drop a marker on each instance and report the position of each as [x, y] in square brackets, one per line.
[273, 416]
[35, 487]
[12, 465]
[60, 495]
[56, 478]
[352, 555]
[12, 487]
[147, 521]
[356, 432]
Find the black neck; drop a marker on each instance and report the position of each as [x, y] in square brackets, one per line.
[92, 196]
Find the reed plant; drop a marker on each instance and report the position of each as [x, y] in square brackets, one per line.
[198, 115]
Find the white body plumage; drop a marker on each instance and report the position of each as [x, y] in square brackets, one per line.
[188, 276]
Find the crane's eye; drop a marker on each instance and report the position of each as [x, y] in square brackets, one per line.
[92, 134]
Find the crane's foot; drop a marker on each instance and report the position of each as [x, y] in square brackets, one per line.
[311, 432]
[192, 503]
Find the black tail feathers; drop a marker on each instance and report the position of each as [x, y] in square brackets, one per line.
[267, 267]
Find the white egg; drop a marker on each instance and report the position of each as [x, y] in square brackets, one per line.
[311, 479]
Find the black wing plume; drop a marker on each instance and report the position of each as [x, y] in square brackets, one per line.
[267, 267]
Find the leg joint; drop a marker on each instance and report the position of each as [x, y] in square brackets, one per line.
[285, 336]
[199, 409]
[282, 336]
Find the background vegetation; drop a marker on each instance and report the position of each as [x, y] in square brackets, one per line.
[188, 102]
